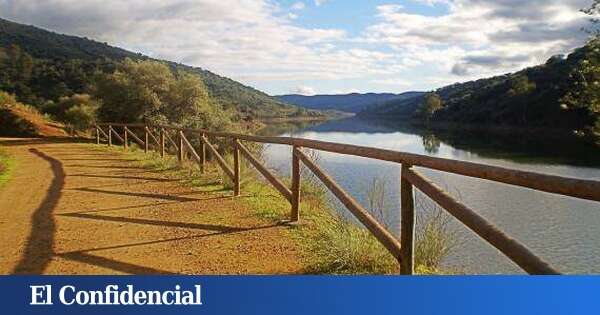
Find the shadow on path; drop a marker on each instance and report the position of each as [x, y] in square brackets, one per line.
[134, 194]
[111, 263]
[167, 240]
[125, 177]
[38, 251]
[210, 227]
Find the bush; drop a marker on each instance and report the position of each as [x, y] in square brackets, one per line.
[435, 237]
[148, 91]
[81, 117]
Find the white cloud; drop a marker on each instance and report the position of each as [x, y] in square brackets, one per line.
[298, 6]
[242, 39]
[480, 37]
[303, 90]
[345, 91]
[392, 82]
[257, 42]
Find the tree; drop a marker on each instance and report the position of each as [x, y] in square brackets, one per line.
[431, 104]
[80, 117]
[594, 12]
[134, 92]
[58, 109]
[148, 91]
[583, 93]
[520, 85]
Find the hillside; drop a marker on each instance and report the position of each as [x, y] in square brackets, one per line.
[18, 120]
[562, 93]
[74, 59]
[352, 103]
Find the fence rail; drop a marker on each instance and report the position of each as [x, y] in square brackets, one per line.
[401, 249]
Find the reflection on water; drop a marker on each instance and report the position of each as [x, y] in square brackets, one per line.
[562, 230]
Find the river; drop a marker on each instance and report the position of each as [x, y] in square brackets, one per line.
[564, 231]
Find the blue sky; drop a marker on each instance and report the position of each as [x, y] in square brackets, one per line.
[326, 46]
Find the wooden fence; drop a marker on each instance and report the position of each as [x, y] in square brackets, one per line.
[162, 139]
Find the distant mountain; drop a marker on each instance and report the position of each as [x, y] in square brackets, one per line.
[352, 103]
[67, 51]
[556, 95]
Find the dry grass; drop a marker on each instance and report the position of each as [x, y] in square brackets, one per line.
[21, 120]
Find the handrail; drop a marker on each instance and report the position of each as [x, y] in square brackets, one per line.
[573, 187]
[410, 179]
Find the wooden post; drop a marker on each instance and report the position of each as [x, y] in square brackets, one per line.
[281, 187]
[125, 142]
[146, 140]
[387, 239]
[109, 135]
[236, 168]
[162, 142]
[407, 225]
[97, 135]
[295, 215]
[180, 151]
[202, 155]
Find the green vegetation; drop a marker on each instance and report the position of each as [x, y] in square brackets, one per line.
[333, 244]
[43, 68]
[431, 104]
[6, 167]
[560, 94]
[154, 94]
[12, 124]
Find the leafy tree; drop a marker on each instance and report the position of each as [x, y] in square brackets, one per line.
[594, 12]
[65, 65]
[431, 104]
[59, 109]
[520, 85]
[148, 91]
[81, 117]
[584, 91]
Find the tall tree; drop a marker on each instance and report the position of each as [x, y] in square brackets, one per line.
[149, 91]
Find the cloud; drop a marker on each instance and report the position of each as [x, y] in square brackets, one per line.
[303, 90]
[479, 37]
[251, 40]
[392, 81]
[259, 42]
[298, 6]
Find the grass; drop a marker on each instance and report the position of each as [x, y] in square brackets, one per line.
[6, 167]
[331, 243]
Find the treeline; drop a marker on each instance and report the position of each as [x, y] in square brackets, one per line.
[562, 93]
[79, 92]
[46, 69]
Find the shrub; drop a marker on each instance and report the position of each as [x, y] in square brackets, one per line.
[435, 237]
[81, 117]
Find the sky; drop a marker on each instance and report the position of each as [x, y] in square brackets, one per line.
[326, 46]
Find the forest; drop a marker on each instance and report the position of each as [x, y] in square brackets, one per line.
[78, 80]
[563, 93]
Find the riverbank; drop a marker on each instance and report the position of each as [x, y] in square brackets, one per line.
[327, 115]
[445, 125]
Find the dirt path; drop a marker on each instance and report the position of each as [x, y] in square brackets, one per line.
[70, 210]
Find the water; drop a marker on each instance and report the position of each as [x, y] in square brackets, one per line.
[562, 230]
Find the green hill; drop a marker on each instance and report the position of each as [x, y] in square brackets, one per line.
[352, 103]
[62, 65]
[563, 93]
